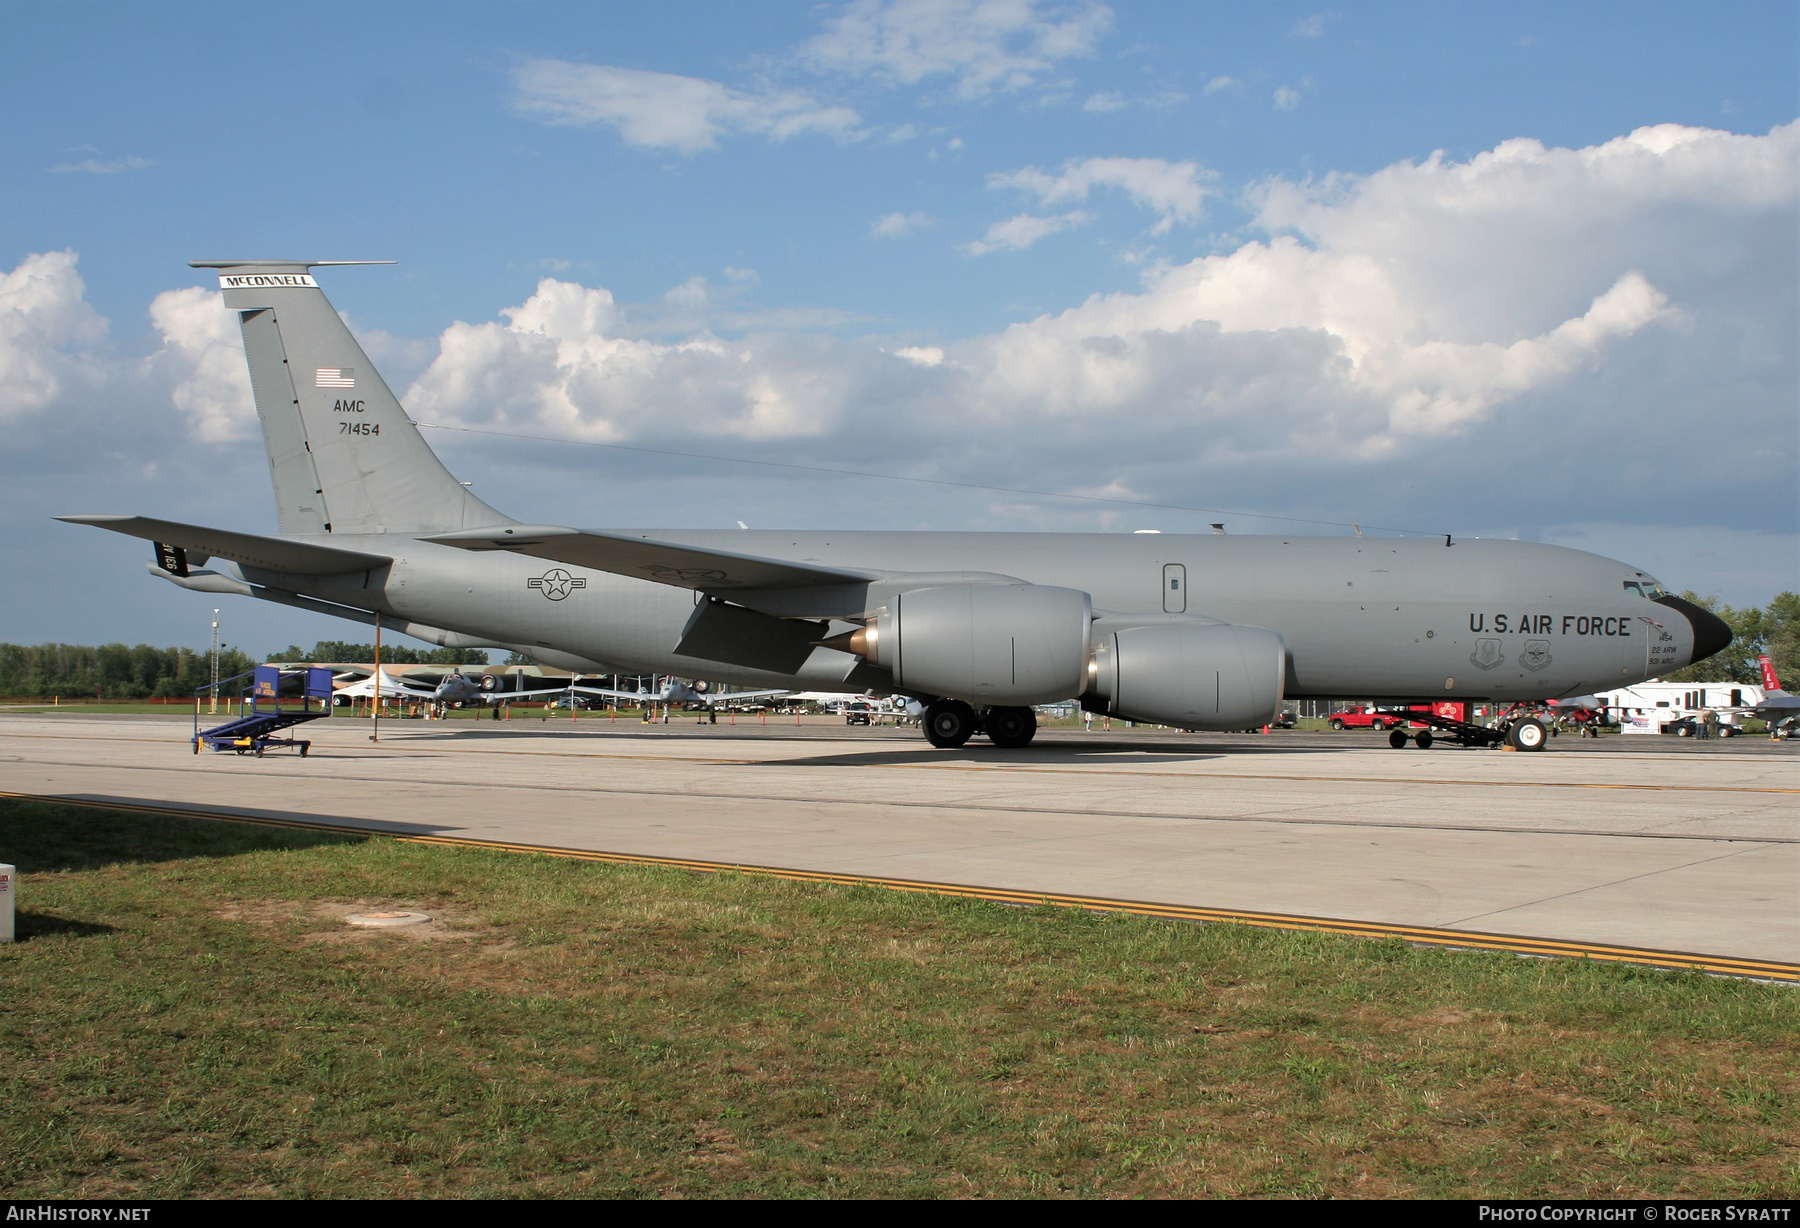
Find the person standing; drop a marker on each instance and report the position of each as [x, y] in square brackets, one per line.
[1709, 724]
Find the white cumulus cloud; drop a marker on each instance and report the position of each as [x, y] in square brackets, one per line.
[203, 352]
[1544, 320]
[46, 327]
[983, 45]
[1286, 99]
[558, 363]
[101, 166]
[656, 110]
[1017, 233]
[1174, 190]
[897, 225]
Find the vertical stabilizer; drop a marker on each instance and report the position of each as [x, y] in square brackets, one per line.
[344, 456]
[1771, 684]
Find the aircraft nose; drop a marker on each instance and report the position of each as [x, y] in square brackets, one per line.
[1711, 633]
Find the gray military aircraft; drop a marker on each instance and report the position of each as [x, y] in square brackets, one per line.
[671, 692]
[1196, 632]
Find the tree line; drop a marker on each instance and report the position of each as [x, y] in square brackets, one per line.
[111, 671]
[391, 654]
[118, 671]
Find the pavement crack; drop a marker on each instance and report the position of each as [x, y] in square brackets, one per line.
[1629, 878]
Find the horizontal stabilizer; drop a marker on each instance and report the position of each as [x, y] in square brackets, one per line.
[663, 562]
[251, 549]
[280, 264]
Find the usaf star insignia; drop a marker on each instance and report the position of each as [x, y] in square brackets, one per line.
[556, 583]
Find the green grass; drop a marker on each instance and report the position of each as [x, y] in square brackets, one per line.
[185, 1016]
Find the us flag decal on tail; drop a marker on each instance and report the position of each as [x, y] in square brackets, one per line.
[334, 377]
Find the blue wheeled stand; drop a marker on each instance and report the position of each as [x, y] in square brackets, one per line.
[279, 699]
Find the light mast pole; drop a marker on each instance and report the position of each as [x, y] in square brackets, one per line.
[376, 735]
[213, 653]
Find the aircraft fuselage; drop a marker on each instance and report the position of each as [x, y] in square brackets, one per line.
[1374, 618]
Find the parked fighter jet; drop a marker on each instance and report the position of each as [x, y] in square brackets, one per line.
[673, 691]
[895, 705]
[1778, 708]
[454, 688]
[1198, 632]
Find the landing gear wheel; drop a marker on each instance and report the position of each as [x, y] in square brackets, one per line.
[949, 723]
[1527, 734]
[1397, 739]
[1011, 728]
[1424, 739]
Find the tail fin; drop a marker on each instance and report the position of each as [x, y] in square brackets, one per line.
[1770, 681]
[344, 456]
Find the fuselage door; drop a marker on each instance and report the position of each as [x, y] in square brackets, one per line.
[1174, 588]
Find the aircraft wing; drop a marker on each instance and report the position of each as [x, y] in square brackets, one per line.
[252, 549]
[738, 695]
[551, 692]
[688, 567]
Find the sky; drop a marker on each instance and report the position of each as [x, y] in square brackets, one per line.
[1514, 270]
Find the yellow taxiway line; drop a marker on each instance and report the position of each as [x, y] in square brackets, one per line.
[1419, 935]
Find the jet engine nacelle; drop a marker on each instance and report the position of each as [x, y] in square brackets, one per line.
[1189, 675]
[1004, 644]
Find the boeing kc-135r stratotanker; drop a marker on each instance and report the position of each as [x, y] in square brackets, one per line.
[1196, 632]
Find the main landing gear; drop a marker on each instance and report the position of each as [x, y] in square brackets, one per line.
[950, 723]
[1011, 728]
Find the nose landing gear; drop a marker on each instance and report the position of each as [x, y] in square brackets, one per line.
[1527, 734]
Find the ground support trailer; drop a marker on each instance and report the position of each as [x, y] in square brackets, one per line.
[279, 699]
[1517, 727]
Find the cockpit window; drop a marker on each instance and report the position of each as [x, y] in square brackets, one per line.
[1645, 587]
[1653, 589]
[1631, 586]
